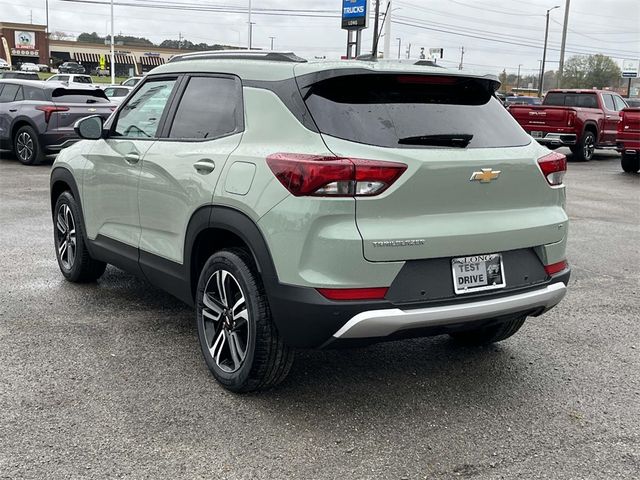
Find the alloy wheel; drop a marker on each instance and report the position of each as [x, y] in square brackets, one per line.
[225, 320]
[24, 146]
[66, 236]
[589, 147]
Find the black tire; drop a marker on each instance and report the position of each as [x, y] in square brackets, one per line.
[490, 334]
[266, 360]
[75, 263]
[630, 163]
[26, 146]
[583, 151]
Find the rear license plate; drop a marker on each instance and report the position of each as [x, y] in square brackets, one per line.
[476, 273]
[537, 134]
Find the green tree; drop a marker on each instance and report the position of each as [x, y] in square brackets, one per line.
[597, 71]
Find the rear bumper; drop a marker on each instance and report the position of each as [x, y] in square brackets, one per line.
[53, 142]
[558, 139]
[382, 323]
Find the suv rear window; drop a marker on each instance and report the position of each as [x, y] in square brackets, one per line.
[70, 95]
[584, 100]
[81, 79]
[411, 111]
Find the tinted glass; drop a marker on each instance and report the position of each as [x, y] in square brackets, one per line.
[33, 93]
[390, 110]
[9, 93]
[619, 103]
[74, 95]
[608, 102]
[584, 100]
[19, 95]
[82, 79]
[208, 108]
[141, 115]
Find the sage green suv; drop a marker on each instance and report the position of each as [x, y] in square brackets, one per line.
[303, 204]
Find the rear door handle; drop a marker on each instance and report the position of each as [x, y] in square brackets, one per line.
[204, 166]
[132, 158]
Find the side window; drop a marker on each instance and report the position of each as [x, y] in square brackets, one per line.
[19, 95]
[108, 92]
[619, 102]
[9, 93]
[608, 101]
[209, 108]
[33, 93]
[140, 117]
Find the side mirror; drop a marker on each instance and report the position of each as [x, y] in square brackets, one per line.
[89, 128]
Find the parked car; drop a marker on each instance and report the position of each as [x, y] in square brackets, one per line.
[43, 68]
[101, 72]
[72, 78]
[38, 118]
[628, 139]
[633, 102]
[131, 81]
[71, 67]
[342, 203]
[582, 120]
[4, 65]
[117, 93]
[19, 75]
[522, 100]
[29, 67]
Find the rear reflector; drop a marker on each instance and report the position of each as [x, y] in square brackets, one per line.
[553, 166]
[325, 176]
[49, 109]
[555, 267]
[353, 293]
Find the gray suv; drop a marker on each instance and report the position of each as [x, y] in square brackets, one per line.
[37, 118]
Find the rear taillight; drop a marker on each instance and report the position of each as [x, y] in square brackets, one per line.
[556, 267]
[323, 176]
[571, 119]
[553, 166]
[49, 109]
[376, 293]
[621, 123]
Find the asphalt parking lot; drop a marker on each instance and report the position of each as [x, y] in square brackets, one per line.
[107, 380]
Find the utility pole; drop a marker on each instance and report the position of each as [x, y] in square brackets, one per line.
[46, 34]
[399, 46]
[409, 51]
[461, 58]
[374, 47]
[518, 82]
[387, 32]
[250, 28]
[31, 16]
[544, 52]
[112, 67]
[272, 39]
[179, 40]
[564, 41]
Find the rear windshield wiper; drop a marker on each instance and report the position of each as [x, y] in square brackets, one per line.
[459, 140]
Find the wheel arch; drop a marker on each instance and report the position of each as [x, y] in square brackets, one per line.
[20, 122]
[590, 126]
[213, 228]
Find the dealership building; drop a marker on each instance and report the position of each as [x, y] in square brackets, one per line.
[25, 42]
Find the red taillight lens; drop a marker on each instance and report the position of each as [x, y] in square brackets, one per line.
[49, 109]
[553, 167]
[317, 175]
[621, 123]
[555, 267]
[571, 119]
[377, 293]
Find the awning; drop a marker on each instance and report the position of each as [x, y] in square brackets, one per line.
[87, 57]
[152, 61]
[95, 58]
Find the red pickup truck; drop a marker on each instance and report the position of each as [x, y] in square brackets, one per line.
[628, 141]
[582, 120]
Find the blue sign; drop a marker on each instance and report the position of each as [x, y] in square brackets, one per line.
[354, 14]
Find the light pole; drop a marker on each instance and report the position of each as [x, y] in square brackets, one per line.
[544, 52]
[272, 39]
[250, 28]
[564, 41]
[518, 81]
[399, 46]
[113, 65]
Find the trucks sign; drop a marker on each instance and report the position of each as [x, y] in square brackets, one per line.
[355, 14]
[630, 68]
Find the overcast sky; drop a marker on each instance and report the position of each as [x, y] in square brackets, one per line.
[495, 34]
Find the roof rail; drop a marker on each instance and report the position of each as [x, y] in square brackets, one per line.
[239, 55]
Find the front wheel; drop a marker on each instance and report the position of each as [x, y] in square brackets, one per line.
[586, 147]
[490, 334]
[630, 163]
[238, 338]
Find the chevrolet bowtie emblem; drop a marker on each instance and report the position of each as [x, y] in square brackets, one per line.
[485, 176]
